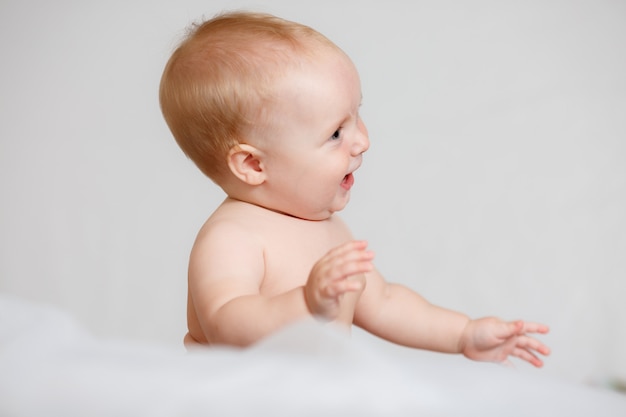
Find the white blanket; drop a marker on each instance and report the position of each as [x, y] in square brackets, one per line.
[49, 366]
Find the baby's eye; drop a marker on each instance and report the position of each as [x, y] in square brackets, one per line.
[336, 135]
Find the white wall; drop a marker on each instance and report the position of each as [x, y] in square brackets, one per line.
[495, 183]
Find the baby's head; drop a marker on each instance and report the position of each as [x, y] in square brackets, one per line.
[218, 85]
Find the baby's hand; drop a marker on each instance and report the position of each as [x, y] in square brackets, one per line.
[491, 339]
[330, 278]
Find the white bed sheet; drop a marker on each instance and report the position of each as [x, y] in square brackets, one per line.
[50, 366]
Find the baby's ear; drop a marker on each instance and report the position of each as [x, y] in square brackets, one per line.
[245, 162]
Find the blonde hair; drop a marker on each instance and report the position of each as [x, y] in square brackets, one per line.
[218, 80]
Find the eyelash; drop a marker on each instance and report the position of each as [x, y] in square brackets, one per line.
[336, 135]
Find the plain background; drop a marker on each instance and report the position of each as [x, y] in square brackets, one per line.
[495, 183]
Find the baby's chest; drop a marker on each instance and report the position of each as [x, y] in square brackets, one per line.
[292, 247]
[288, 265]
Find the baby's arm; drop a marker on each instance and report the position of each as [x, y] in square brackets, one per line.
[402, 316]
[226, 269]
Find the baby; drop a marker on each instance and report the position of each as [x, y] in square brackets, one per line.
[269, 110]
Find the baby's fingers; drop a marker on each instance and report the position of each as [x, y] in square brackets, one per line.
[349, 268]
[526, 347]
[531, 327]
[351, 246]
[350, 251]
[347, 260]
[340, 287]
[533, 344]
[528, 357]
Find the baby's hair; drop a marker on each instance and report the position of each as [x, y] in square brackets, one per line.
[220, 77]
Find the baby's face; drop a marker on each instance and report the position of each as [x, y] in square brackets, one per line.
[315, 138]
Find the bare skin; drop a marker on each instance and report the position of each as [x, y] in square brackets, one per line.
[275, 252]
[302, 278]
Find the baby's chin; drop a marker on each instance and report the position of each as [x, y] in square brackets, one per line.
[324, 215]
[314, 216]
[319, 213]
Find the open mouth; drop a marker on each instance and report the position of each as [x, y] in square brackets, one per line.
[347, 181]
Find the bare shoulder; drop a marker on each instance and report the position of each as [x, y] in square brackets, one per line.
[226, 261]
[224, 226]
[245, 243]
[225, 240]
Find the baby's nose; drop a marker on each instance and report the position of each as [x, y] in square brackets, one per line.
[362, 141]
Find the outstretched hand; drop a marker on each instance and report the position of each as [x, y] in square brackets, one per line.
[491, 339]
[332, 276]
